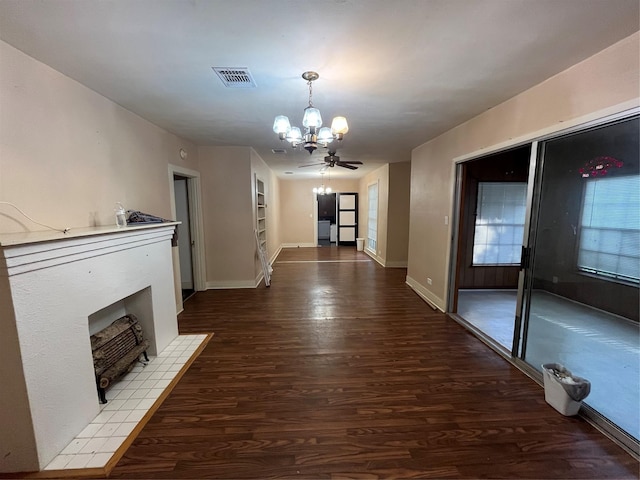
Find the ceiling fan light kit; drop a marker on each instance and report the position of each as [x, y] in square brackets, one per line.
[315, 134]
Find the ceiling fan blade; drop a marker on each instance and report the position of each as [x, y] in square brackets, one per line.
[355, 162]
[310, 165]
[344, 165]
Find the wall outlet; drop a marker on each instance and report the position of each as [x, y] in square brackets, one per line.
[554, 279]
[429, 281]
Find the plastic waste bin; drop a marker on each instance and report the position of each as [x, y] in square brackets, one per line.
[562, 390]
[360, 244]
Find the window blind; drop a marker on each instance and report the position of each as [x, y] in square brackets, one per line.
[609, 243]
[499, 226]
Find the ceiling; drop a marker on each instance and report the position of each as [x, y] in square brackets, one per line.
[401, 71]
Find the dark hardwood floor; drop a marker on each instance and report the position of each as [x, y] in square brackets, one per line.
[339, 370]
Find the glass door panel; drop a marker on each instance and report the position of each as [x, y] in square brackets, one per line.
[582, 302]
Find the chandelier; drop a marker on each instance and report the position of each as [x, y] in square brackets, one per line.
[321, 190]
[314, 133]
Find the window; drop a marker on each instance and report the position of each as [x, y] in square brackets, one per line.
[372, 222]
[609, 242]
[499, 223]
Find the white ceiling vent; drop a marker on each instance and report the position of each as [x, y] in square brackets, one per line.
[279, 151]
[235, 77]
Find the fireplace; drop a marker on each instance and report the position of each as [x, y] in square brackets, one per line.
[51, 287]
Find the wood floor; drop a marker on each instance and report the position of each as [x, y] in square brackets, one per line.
[339, 370]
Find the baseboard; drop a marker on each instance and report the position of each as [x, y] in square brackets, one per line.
[397, 264]
[228, 284]
[275, 255]
[299, 245]
[373, 255]
[432, 300]
[385, 263]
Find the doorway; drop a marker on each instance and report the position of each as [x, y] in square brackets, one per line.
[196, 231]
[491, 228]
[327, 227]
[581, 283]
[185, 242]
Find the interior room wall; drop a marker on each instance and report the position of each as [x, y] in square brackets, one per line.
[381, 177]
[398, 216]
[297, 205]
[605, 83]
[228, 212]
[394, 181]
[68, 154]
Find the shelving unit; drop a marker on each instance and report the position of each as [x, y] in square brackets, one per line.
[261, 230]
[261, 215]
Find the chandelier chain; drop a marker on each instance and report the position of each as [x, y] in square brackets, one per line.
[310, 94]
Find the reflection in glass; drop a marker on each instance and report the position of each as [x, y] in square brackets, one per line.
[583, 309]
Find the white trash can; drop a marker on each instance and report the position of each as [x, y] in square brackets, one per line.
[360, 244]
[559, 387]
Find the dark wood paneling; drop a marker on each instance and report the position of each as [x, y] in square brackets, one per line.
[339, 370]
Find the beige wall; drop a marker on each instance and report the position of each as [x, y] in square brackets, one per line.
[228, 216]
[68, 154]
[393, 181]
[398, 216]
[603, 84]
[297, 205]
[381, 177]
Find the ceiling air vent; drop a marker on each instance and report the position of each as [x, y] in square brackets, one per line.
[235, 77]
[279, 151]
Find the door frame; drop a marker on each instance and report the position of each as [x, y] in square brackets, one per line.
[195, 220]
[587, 121]
[355, 226]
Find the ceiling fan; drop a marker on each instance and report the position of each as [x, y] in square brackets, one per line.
[332, 160]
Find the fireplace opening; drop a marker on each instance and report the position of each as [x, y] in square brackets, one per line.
[116, 350]
[121, 334]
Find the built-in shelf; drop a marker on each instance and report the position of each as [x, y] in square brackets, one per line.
[261, 214]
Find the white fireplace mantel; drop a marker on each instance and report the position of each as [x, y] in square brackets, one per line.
[50, 283]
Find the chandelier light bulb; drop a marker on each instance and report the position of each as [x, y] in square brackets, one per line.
[281, 126]
[294, 136]
[312, 118]
[339, 126]
[325, 136]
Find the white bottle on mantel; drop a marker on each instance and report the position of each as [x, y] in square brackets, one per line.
[121, 216]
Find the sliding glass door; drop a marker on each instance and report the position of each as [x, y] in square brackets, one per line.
[580, 297]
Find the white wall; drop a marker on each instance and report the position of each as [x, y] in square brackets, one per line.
[68, 154]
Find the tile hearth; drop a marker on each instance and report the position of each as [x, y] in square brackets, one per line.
[129, 401]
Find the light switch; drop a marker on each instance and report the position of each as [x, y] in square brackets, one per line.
[446, 219]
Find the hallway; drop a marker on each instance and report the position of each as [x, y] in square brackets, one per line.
[339, 370]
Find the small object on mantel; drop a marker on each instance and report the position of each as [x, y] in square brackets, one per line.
[121, 217]
[134, 216]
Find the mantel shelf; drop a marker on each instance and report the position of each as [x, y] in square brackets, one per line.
[25, 238]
